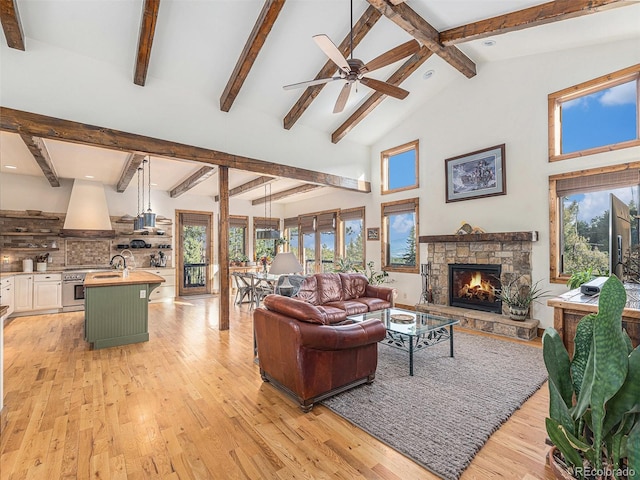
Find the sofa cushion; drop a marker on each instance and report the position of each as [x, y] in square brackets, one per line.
[373, 303]
[309, 290]
[329, 288]
[333, 314]
[353, 307]
[354, 285]
[297, 309]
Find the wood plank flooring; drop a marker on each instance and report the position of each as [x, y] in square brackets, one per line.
[190, 404]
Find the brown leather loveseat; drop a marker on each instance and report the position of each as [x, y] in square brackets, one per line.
[305, 350]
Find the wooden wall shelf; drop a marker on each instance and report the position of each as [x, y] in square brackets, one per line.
[30, 217]
[31, 249]
[30, 234]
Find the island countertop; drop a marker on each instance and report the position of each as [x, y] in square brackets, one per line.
[115, 277]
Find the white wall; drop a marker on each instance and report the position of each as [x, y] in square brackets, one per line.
[505, 103]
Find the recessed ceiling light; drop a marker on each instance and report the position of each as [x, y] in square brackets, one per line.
[89, 176]
[12, 167]
[489, 43]
[428, 74]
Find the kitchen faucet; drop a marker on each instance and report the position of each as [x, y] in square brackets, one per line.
[124, 261]
[129, 256]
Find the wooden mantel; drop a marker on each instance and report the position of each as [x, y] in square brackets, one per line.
[482, 237]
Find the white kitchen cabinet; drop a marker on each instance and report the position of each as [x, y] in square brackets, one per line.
[47, 291]
[167, 290]
[7, 296]
[23, 292]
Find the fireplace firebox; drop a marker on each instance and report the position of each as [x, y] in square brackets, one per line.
[475, 286]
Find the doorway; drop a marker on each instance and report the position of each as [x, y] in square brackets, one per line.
[194, 251]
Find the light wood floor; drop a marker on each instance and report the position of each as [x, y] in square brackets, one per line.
[189, 404]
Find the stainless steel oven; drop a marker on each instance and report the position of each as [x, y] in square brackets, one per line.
[73, 289]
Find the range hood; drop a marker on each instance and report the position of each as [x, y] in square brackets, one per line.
[87, 213]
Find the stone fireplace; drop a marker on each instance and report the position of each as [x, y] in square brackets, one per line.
[455, 295]
[475, 286]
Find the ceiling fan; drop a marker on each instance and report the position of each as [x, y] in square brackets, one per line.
[352, 70]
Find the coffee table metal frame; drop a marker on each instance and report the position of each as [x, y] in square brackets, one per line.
[425, 330]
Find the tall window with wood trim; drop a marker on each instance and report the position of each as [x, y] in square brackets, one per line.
[595, 116]
[238, 237]
[399, 168]
[352, 236]
[319, 241]
[264, 247]
[400, 236]
[292, 236]
[579, 213]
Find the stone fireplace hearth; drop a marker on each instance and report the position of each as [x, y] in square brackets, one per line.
[510, 251]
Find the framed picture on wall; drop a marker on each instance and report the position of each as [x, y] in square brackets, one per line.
[373, 233]
[476, 174]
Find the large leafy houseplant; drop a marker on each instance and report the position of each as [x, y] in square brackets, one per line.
[594, 398]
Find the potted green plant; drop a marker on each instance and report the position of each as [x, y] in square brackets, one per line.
[594, 398]
[518, 295]
[581, 276]
[375, 277]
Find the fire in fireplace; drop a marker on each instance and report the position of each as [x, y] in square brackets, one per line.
[475, 286]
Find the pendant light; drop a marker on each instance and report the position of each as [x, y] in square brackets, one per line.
[138, 223]
[267, 233]
[149, 216]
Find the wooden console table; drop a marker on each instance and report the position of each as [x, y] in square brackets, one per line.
[570, 307]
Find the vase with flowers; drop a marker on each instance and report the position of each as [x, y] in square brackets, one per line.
[264, 261]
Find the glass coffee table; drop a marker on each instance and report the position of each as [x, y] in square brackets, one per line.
[411, 331]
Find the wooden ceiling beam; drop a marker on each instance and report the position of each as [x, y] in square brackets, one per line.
[41, 155]
[360, 29]
[10, 19]
[198, 177]
[267, 18]
[130, 168]
[247, 187]
[529, 17]
[416, 26]
[376, 97]
[18, 121]
[286, 193]
[145, 41]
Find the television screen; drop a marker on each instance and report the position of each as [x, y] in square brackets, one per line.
[619, 235]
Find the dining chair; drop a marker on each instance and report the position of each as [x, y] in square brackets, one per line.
[244, 288]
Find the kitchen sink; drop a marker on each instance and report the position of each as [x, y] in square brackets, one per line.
[108, 275]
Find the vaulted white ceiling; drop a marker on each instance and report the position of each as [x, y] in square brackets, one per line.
[197, 44]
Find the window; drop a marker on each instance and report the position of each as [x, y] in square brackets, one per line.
[292, 236]
[579, 213]
[261, 247]
[400, 236]
[595, 116]
[399, 168]
[352, 235]
[318, 242]
[238, 236]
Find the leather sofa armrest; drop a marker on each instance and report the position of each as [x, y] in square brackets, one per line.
[341, 337]
[384, 293]
[294, 308]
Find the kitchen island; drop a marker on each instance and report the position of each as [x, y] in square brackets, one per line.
[117, 307]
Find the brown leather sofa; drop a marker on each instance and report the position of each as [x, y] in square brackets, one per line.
[306, 348]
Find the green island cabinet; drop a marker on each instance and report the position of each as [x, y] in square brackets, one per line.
[116, 307]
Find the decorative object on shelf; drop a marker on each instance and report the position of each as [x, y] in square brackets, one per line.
[466, 229]
[267, 233]
[518, 296]
[373, 233]
[476, 175]
[593, 423]
[285, 264]
[22, 229]
[149, 216]
[138, 223]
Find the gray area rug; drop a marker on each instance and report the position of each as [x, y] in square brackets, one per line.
[445, 413]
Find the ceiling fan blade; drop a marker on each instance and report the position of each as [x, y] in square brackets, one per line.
[342, 98]
[311, 83]
[330, 50]
[392, 56]
[385, 88]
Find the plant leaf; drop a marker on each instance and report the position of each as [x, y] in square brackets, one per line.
[582, 346]
[558, 436]
[633, 451]
[627, 399]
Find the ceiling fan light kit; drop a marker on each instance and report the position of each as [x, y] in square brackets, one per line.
[352, 70]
